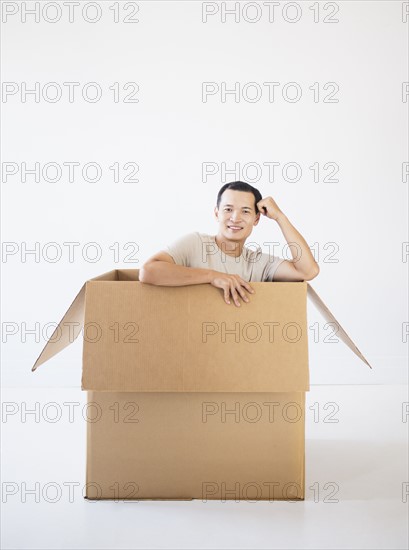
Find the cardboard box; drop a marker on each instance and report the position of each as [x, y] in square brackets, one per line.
[188, 397]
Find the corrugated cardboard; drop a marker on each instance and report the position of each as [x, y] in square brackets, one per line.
[196, 445]
[194, 398]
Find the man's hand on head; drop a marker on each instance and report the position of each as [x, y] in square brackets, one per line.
[268, 207]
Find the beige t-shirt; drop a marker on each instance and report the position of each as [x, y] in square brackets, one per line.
[200, 250]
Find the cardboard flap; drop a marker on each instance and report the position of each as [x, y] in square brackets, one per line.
[67, 330]
[71, 324]
[108, 276]
[328, 316]
[149, 338]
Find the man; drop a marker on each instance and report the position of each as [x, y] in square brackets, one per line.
[223, 260]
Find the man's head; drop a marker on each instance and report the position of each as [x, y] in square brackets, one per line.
[237, 207]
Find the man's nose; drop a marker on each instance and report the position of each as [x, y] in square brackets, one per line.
[235, 216]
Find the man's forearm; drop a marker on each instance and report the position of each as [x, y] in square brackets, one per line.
[167, 274]
[304, 261]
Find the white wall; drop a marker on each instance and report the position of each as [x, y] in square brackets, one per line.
[171, 132]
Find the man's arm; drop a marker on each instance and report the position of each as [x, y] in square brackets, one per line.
[303, 267]
[161, 269]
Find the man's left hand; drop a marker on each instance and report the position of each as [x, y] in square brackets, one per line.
[268, 207]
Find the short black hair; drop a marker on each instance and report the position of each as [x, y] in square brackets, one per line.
[240, 186]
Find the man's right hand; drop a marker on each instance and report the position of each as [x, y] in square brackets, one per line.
[231, 284]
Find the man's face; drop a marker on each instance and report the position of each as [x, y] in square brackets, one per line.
[236, 210]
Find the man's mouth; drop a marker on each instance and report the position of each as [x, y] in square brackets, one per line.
[234, 227]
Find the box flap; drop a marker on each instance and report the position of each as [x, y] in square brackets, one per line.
[70, 325]
[141, 337]
[67, 330]
[108, 276]
[328, 316]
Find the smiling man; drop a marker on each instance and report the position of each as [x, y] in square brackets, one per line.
[223, 260]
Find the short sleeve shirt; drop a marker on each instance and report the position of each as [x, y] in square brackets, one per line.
[200, 250]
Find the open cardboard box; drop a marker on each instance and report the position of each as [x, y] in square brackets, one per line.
[188, 397]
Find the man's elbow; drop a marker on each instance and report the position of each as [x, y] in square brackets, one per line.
[143, 275]
[313, 273]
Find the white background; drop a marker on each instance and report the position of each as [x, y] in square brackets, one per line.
[170, 133]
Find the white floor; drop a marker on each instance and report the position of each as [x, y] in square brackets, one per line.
[357, 483]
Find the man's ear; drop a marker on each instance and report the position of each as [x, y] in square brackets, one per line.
[257, 219]
[216, 212]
